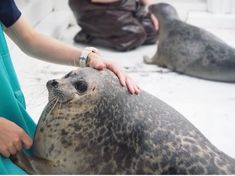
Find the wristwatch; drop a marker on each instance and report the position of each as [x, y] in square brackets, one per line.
[84, 55]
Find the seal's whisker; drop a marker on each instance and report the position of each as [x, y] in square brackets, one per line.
[57, 113]
[34, 82]
[38, 93]
[52, 97]
[59, 110]
[52, 107]
[52, 100]
[40, 101]
[51, 103]
[56, 101]
[34, 86]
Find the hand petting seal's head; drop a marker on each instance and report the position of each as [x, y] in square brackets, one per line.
[163, 11]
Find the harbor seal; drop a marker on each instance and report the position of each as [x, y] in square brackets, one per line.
[190, 50]
[92, 125]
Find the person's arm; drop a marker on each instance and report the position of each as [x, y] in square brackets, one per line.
[41, 46]
[46, 48]
[12, 138]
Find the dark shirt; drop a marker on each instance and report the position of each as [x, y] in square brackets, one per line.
[9, 13]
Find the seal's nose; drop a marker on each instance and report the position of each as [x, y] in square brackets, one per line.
[52, 83]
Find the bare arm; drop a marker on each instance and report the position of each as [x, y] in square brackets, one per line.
[48, 49]
[41, 46]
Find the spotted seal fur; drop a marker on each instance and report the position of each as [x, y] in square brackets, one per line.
[190, 50]
[92, 125]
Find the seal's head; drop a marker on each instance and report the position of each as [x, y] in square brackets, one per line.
[163, 12]
[70, 88]
[76, 92]
[78, 85]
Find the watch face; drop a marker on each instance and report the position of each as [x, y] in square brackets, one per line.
[82, 61]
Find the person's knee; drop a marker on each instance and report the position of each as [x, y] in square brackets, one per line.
[131, 40]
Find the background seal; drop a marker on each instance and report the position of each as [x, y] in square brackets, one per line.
[190, 50]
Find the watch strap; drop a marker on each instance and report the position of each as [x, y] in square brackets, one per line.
[84, 55]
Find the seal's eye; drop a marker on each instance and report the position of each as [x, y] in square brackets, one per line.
[80, 86]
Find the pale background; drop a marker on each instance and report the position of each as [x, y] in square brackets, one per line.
[209, 105]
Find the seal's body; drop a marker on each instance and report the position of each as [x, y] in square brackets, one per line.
[92, 125]
[191, 50]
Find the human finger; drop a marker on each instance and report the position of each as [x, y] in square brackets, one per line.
[118, 72]
[11, 149]
[99, 65]
[26, 140]
[137, 89]
[18, 145]
[132, 86]
[4, 151]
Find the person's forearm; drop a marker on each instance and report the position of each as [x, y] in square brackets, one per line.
[41, 46]
[49, 49]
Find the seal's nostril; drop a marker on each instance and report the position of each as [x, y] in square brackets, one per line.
[53, 83]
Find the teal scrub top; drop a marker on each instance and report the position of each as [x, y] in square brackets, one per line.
[12, 103]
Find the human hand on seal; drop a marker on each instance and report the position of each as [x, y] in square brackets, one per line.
[95, 61]
[12, 137]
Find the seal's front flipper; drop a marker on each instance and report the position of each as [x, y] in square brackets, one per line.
[155, 60]
[33, 165]
[148, 60]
